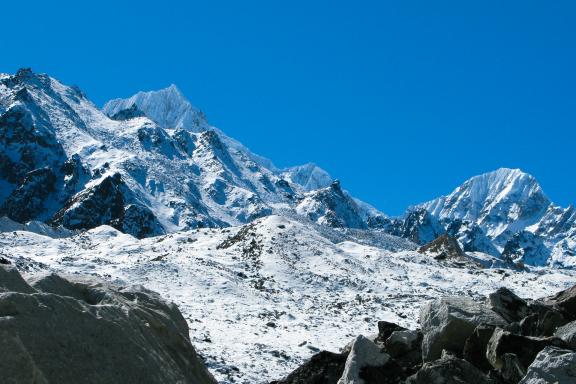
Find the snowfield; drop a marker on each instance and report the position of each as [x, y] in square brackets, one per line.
[263, 297]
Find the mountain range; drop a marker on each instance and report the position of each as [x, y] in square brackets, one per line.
[151, 164]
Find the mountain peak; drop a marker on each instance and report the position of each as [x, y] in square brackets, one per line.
[168, 107]
[502, 201]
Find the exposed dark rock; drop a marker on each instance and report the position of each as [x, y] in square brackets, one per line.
[442, 248]
[524, 347]
[405, 347]
[28, 200]
[542, 323]
[75, 175]
[475, 347]
[83, 330]
[418, 225]
[508, 305]
[101, 204]
[527, 248]
[403, 342]
[512, 370]
[128, 113]
[449, 370]
[565, 302]
[333, 207]
[470, 235]
[140, 222]
[185, 141]
[323, 368]
[385, 329]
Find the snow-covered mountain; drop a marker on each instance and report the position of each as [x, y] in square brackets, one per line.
[507, 212]
[151, 164]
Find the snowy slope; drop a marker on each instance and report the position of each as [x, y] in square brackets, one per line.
[263, 297]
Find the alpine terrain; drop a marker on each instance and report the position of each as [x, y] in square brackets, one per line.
[263, 273]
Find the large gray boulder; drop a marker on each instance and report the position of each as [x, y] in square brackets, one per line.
[363, 354]
[552, 365]
[508, 305]
[81, 330]
[448, 322]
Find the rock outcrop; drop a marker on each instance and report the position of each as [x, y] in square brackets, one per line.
[443, 248]
[82, 330]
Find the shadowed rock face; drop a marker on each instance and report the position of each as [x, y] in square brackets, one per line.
[81, 330]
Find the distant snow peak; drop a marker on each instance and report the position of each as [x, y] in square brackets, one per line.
[167, 107]
[309, 175]
[506, 211]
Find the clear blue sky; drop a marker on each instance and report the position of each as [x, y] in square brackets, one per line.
[400, 100]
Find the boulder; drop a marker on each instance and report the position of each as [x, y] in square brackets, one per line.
[400, 343]
[363, 354]
[323, 368]
[552, 365]
[385, 329]
[568, 334]
[565, 301]
[448, 322]
[475, 347]
[508, 305]
[543, 323]
[449, 370]
[83, 330]
[525, 347]
[512, 370]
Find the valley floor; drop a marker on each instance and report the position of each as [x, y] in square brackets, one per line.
[261, 298]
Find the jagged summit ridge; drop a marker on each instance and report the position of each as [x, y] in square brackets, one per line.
[500, 201]
[167, 107]
[511, 214]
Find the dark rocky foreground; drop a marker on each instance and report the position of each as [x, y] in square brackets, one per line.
[505, 340]
[80, 330]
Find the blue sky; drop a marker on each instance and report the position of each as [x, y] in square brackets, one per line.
[400, 100]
